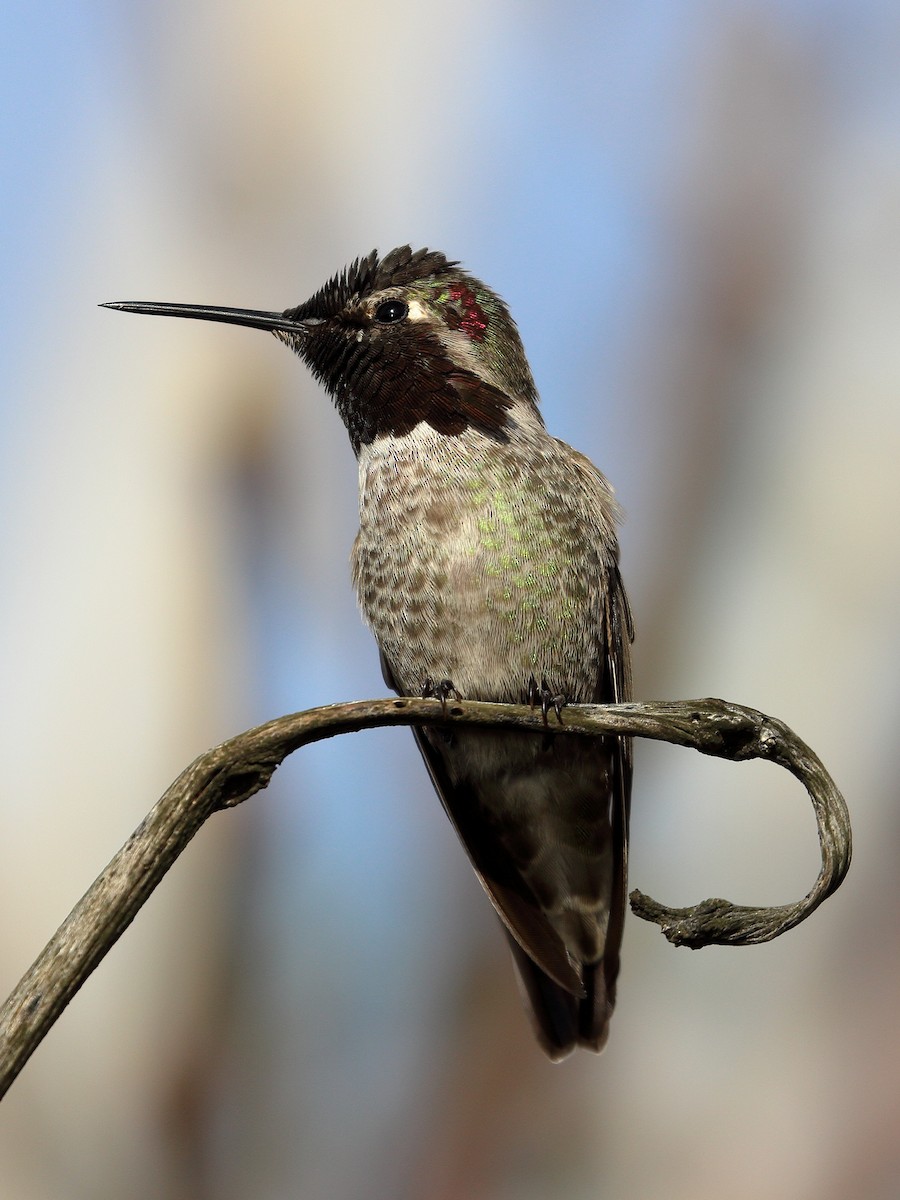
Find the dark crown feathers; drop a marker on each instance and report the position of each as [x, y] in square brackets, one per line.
[371, 274]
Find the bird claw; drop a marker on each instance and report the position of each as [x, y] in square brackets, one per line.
[440, 691]
[548, 699]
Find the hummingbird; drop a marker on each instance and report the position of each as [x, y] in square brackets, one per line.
[487, 567]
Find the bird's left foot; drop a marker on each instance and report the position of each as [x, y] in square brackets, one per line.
[546, 697]
[440, 691]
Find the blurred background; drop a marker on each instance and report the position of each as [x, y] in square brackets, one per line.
[693, 211]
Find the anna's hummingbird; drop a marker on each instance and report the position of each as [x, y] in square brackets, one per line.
[486, 565]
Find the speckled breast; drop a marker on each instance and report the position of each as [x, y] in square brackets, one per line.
[482, 562]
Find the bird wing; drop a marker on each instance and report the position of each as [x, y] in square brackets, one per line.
[508, 892]
[563, 1020]
[614, 687]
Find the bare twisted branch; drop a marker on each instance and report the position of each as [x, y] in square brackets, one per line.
[232, 772]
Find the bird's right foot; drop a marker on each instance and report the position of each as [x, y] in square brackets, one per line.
[546, 697]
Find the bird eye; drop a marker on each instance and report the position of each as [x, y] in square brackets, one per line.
[391, 311]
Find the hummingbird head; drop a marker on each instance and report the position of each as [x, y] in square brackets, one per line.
[410, 337]
[399, 340]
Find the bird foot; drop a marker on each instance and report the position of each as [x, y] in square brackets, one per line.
[546, 697]
[440, 691]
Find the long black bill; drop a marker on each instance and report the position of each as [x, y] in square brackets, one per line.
[208, 312]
